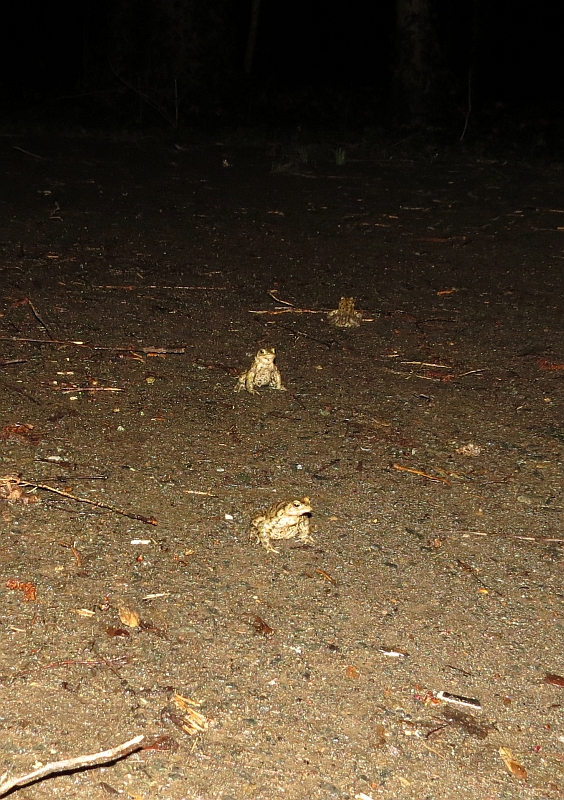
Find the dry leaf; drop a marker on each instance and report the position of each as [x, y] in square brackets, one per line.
[29, 589]
[548, 365]
[380, 735]
[554, 679]
[184, 702]
[21, 433]
[352, 672]
[193, 722]
[513, 766]
[262, 627]
[114, 631]
[469, 449]
[129, 617]
[161, 743]
[12, 492]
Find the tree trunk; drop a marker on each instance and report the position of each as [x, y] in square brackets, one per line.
[417, 58]
[252, 37]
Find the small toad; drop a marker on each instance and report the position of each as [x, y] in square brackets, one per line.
[262, 372]
[285, 520]
[345, 316]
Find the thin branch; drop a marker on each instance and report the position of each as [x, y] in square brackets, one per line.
[72, 763]
[37, 316]
[20, 391]
[422, 474]
[504, 535]
[469, 105]
[129, 287]
[292, 310]
[78, 343]
[14, 479]
[28, 153]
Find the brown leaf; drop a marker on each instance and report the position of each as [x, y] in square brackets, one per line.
[161, 743]
[513, 766]
[83, 612]
[549, 365]
[554, 679]
[21, 433]
[12, 492]
[129, 617]
[114, 630]
[29, 589]
[262, 627]
[380, 735]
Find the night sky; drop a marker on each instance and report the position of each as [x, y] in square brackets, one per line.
[515, 50]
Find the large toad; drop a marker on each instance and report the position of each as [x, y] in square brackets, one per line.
[345, 316]
[285, 520]
[262, 372]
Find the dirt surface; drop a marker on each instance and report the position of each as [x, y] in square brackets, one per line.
[429, 440]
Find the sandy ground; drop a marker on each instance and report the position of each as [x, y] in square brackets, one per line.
[429, 440]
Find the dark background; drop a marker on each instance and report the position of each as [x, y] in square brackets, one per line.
[146, 63]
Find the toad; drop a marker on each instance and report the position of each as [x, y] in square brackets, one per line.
[345, 316]
[262, 372]
[285, 520]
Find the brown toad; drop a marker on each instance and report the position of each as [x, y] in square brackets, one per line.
[262, 372]
[284, 520]
[345, 316]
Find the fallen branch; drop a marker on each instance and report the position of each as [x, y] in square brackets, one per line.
[505, 535]
[28, 152]
[425, 364]
[8, 479]
[38, 317]
[421, 474]
[71, 662]
[130, 286]
[78, 343]
[273, 293]
[71, 764]
[20, 391]
[67, 390]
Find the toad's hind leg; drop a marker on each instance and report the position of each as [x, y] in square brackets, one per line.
[256, 534]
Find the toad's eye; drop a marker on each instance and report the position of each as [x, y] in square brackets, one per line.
[297, 503]
[263, 352]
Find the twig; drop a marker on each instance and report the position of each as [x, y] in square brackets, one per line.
[28, 153]
[55, 213]
[19, 482]
[67, 390]
[273, 292]
[425, 364]
[505, 535]
[78, 343]
[88, 663]
[20, 391]
[469, 105]
[326, 342]
[130, 287]
[292, 310]
[151, 102]
[421, 473]
[72, 763]
[37, 316]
